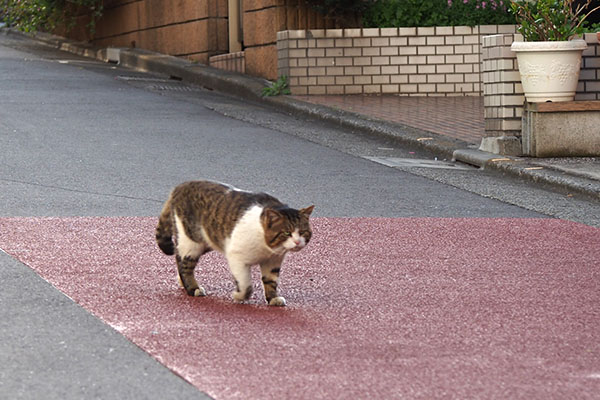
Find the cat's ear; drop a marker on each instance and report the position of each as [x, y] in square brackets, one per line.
[272, 217]
[307, 211]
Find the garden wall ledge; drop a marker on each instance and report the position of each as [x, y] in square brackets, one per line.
[410, 61]
[503, 93]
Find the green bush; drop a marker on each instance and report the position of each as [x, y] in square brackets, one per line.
[345, 13]
[399, 13]
[551, 20]
[46, 15]
[279, 87]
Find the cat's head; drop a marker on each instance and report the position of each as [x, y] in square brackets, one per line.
[287, 229]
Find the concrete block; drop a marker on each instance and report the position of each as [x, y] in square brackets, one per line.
[464, 30]
[380, 41]
[398, 41]
[381, 61]
[334, 33]
[371, 70]
[353, 32]
[389, 31]
[346, 42]
[417, 41]
[372, 89]
[262, 61]
[334, 52]
[335, 90]
[426, 31]
[437, 40]
[389, 51]
[412, 31]
[399, 79]
[389, 88]
[371, 51]
[354, 89]
[504, 145]
[354, 52]
[444, 30]
[113, 55]
[370, 32]
[561, 130]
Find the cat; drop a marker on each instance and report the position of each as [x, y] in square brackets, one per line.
[247, 228]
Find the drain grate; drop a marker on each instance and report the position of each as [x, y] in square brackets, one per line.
[178, 88]
[128, 78]
[397, 162]
[160, 84]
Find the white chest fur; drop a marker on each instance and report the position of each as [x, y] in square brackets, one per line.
[247, 241]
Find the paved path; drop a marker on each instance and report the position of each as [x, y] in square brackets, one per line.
[378, 307]
[456, 117]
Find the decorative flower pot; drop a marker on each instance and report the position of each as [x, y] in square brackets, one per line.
[549, 70]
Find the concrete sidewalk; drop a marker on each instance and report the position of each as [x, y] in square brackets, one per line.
[451, 128]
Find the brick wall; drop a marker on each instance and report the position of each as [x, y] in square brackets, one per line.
[502, 90]
[262, 19]
[234, 62]
[503, 93]
[435, 61]
[589, 77]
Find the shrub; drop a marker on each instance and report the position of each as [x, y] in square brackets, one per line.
[279, 87]
[397, 13]
[551, 20]
[46, 15]
[345, 13]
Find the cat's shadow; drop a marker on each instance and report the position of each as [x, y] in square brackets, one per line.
[221, 307]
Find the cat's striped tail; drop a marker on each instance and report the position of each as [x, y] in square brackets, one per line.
[164, 230]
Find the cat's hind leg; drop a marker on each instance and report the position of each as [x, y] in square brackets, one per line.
[270, 279]
[188, 253]
[185, 268]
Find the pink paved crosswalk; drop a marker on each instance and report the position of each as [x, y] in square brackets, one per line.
[377, 307]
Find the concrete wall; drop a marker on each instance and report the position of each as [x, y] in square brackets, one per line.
[196, 29]
[567, 129]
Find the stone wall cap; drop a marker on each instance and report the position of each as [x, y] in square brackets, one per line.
[577, 44]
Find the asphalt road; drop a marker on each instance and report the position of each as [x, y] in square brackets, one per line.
[82, 138]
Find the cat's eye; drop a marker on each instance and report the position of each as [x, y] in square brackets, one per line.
[287, 234]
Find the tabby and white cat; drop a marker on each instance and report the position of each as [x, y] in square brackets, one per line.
[248, 228]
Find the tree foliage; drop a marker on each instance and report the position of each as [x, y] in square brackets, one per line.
[46, 15]
[399, 13]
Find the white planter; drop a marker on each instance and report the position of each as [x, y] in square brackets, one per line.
[549, 70]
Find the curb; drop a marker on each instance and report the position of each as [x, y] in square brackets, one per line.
[250, 88]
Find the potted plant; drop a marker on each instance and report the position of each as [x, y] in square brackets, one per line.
[550, 58]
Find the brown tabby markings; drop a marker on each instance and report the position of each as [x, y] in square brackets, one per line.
[208, 214]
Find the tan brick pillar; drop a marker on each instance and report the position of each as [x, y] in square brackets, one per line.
[503, 96]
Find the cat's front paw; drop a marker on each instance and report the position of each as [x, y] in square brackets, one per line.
[242, 295]
[199, 292]
[277, 301]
